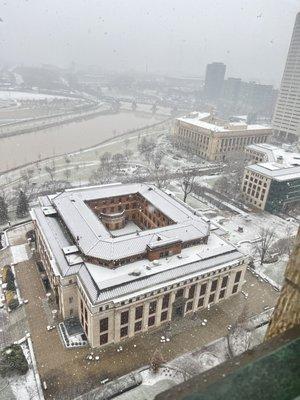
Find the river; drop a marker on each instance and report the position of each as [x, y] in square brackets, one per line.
[19, 150]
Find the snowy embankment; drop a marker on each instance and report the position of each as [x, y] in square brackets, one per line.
[12, 95]
[27, 387]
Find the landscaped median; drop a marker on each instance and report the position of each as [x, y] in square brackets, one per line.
[9, 286]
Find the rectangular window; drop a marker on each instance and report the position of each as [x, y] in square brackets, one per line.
[103, 324]
[164, 316]
[152, 307]
[81, 305]
[224, 281]
[201, 302]
[179, 293]
[151, 320]
[192, 291]
[103, 339]
[189, 306]
[203, 289]
[139, 312]
[124, 331]
[85, 314]
[70, 300]
[124, 317]
[237, 276]
[235, 288]
[165, 302]
[138, 326]
[222, 294]
[211, 298]
[214, 285]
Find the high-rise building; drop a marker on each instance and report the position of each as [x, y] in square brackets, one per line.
[214, 79]
[286, 120]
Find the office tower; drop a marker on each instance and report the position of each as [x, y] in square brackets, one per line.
[286, 120]
[214, 79]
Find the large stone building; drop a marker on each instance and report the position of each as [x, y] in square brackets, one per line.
[286, 120]
[214, 139]
[273, 182]
[125, 259]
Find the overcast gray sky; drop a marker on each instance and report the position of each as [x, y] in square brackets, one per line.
[170, 36]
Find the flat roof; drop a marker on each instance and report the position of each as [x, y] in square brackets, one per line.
[272, 153]
[198, 120]
[276, 171]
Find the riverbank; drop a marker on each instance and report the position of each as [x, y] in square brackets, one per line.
[18, 151]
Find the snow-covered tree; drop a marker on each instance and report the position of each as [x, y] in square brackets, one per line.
[157, 361]
[263, 247]
[22, 206]
[187, 184]
[3, 210]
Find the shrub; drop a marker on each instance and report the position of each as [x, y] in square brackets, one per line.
[10, 295]
[6, 270]
[13, 304]
[11, 285]
[12, 360]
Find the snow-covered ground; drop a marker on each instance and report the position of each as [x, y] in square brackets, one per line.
[19, 253]
[24, 387]
[251, 226]
[11, 95]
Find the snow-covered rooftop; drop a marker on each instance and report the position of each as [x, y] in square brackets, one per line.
[276, 171]
[207, 122]
[273, 153]
[105, 284]
[95, 240]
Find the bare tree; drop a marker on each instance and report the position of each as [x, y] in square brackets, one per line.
[157, 361]
[285, 245]
[263, 247]
[221, 185]
[161, 177]
[118, 161]
[238, 338]
[187, 184]
[51, 171]
[146, 147]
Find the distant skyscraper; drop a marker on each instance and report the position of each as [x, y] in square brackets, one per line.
[214, 80]
[286, 120]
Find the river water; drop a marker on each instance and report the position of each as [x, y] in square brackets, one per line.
[18, 150]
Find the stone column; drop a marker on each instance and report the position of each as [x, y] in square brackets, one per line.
[131, 321]
[171, 301]
[145, 316]
[117, 325]
[196, 297]
[158, 311]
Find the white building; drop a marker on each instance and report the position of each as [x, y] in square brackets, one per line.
[286, 120]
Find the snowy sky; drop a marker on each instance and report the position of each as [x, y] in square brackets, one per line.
[169, 36]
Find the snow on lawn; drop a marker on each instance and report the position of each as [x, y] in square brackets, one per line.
[19, 253]
[251, 232]
[11, 95]
[24, 387]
